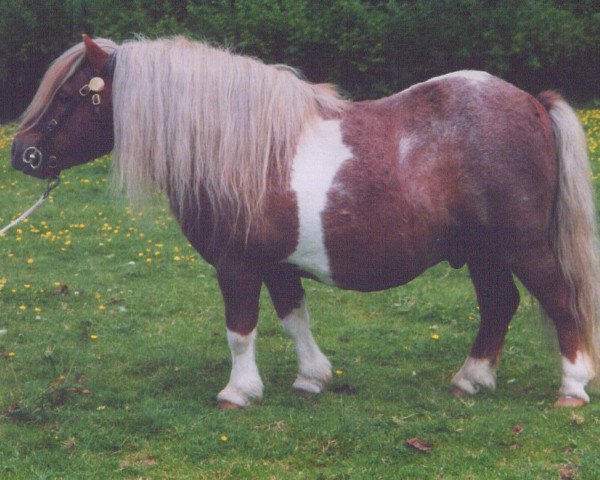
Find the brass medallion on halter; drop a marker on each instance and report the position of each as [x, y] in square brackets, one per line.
[96, 84]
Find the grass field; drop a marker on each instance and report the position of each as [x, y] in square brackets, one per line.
[113, 349]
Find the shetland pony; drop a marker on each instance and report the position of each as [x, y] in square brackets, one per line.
[273, 179]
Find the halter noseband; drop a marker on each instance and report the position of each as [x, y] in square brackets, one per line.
[33, 156]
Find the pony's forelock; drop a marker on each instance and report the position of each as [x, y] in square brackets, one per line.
[192, 118]
[59, 72]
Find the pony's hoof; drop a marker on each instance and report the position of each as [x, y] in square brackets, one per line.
[299, 392]
[225, 405]
[568, 401]
[457, 392]
[309, 387]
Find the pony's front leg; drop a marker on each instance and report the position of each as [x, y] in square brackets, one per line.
[287, 294]
[241, 289]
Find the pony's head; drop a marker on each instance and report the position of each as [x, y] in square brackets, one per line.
[70, 120]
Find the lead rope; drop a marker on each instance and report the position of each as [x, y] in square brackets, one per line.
[52, 184]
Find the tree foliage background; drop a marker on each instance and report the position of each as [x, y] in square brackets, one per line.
[369, 48]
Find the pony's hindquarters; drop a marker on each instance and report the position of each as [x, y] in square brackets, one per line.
[550, 245]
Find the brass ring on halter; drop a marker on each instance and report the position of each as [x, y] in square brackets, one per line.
[33, 157]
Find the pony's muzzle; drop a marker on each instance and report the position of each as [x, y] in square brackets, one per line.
[33, 157]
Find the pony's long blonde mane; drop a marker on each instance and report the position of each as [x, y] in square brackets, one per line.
[58, 73]
[192, 118]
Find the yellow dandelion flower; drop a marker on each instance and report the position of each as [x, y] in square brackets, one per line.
[339, 372]
[224, 438]
[101, 307]
[11, 354]
[30, 261]
[435, 336]
[22, 307]
[93, 337]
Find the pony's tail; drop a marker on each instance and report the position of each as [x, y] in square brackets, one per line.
[574, 234]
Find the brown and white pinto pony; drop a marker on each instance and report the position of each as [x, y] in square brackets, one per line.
[273, 179]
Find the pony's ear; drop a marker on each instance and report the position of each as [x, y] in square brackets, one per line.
[96, 56]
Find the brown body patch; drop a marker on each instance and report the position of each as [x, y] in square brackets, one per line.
[437, 175]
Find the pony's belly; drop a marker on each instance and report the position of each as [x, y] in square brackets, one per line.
[321, 152]
[370, 277]
[364, 276]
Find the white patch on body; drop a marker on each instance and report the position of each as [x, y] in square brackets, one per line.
[407, 144]
[575, 376]
[314, 368]
[321, 152]
[473, 75]
[474, 374]
[244, 384]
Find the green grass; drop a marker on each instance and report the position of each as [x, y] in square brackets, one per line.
[111, 363]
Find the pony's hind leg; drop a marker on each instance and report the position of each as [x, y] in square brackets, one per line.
[241, 290]
[287, 294]
[498, 301]
[542, 275]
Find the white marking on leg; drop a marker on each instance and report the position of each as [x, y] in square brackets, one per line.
[314, 368]
[474, 374]
[321, 152]
[575, 376]
[244, 384]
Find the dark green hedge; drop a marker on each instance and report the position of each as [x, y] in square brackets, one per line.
[369, 48]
